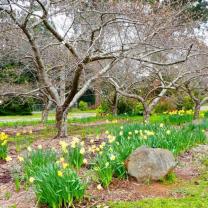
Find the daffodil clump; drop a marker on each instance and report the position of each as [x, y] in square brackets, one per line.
[180, 112]
[124, 140]
[74, 153]
[178, 116]
[3, 145]
[57, 186]
[54, 183]
[35, 159]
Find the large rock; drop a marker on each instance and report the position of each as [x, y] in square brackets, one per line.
[150, 163]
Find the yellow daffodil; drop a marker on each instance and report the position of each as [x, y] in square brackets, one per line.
[112, 157]
[136, 131]
[121, 133]
[91, 141]
[61, 159]
[40, 146]
[82, 150]
[99, 187]
[130, 133]
[63, 144]
[106, 164]
[4, 143]
[76, 140]
[161, 125]
[29, 149]
[65, 165]
[168, 132]
[20, 158]
[85, 161]
[107, 132]
[3, 136]
[59, 173]
[73, 144]
[8, 158]
[31, 179]
[18, 134]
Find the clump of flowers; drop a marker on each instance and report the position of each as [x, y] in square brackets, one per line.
[3, 145]
[57, 187]
[75, 154]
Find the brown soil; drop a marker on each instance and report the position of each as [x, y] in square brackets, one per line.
[23, 130]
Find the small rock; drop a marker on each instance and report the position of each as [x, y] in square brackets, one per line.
[150, 163]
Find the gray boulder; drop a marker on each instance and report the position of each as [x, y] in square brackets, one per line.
[150, 163]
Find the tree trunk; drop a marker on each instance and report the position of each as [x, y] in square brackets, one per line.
[197, 110]
[61, 122]
[115, 104]
[146, 114]
[45, 111]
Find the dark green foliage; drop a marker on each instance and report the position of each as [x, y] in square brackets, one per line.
[16, 106]
[130, 107]
[88, 97]
[206, 114]
[83, 106]
[185, 103]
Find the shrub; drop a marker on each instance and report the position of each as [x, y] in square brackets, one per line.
[57, 187]
[104, 107]
[125, 106]
[83, 106]
[3, 145]
[35, 160]
[164, 105]
[16, 107]
[138, 109]
[185, 103]
[206, 114]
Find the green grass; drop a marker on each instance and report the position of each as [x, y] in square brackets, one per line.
[192, 194]
[193, 202]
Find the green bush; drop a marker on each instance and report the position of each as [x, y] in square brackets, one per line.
[58, 187]
[138, 109]
[16, 107]
[83, 106]
[103, 108]
[206, 114]
[185, 103]
[125, 106]
[165, 105]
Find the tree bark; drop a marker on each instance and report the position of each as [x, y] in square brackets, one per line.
[61, 122]
[115, 104]
[45, 111]
[146, 114]
[197, 110]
